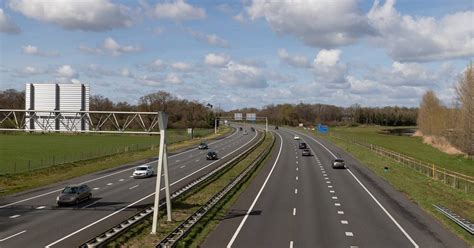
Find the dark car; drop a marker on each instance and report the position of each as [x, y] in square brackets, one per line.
[202, 146]
[74, 194]
[253, 129]
[240, 129]
[276, 127]
[211, 156]
[303, 145]
[306, 152]
[338, 163]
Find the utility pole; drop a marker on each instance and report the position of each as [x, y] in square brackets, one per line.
[162, 164]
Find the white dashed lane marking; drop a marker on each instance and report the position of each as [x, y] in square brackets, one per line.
[332, 191]
[109, 184]
[14, 216]
[291, 244]
[329, 186]
[337, 204]
[182, 166]
[344, 222]
[133, 187]
[294, 211]
[334, 197]
[296, 191]
[121, 180]
[41, 207]
[349, 234]
[296, 178]
[95, 188]
[340, 212]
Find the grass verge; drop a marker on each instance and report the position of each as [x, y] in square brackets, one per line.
[10, 184]
[420, 189]
[411, 146]
[139, 236]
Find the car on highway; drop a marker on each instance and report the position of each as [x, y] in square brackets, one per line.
[245, 132]
[276, 127]
[143, 171]
[338, 163]
[74, 194]
[306, 152]
[302, 145]
[240, 129]
[253, 129]
[211, 156]
[297, 137]
[203, 146]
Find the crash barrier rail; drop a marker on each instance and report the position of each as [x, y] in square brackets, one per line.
[183, 229]
[464, 223]
[108, 236]
[454, 179]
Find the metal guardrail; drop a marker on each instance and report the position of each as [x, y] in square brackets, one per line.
[464, 223]
[183, 229]
[106, 237]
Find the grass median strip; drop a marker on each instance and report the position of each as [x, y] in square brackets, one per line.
[139, 236]
[10, 184]
[422, 190]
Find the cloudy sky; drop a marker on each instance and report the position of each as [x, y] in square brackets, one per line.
[241, 53]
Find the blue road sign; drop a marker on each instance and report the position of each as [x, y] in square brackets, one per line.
[322, 128]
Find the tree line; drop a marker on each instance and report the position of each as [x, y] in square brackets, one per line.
[455, 123]
[311, 114]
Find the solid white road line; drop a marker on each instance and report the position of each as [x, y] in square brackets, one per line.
[133, 187]
[139, 200]
[372, 196]
[86, 206]
[294, 211]
[11, 236]
[41, 207]
[108, 175]
[349, 234]
[182, 166]
[344, 222]
[256, 198]
[14, 216]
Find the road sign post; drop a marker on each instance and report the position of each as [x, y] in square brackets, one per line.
[162, 164]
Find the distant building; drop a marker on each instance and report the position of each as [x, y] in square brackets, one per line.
[56, 97]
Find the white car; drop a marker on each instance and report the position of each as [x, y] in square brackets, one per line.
[297, 138]
[143, 171]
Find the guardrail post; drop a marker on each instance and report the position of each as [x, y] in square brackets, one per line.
[454, 181]
[433, 171]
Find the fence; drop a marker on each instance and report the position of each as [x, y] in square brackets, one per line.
[72, 157]
[454, 179]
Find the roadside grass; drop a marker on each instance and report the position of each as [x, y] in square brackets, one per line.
[20, 152]
[13, 183]
[419, 188]
[411, 146]
[139, 236]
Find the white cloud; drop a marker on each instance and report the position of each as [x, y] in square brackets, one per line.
[216, 60]
[408, 38]
[178, 10]
[110, 47]
[66, 71]
[157, 64]
[33, 50]
[328, 57]
[7, 25]
[328, 71]
[317, 23]
[173, 79]
[240, 17]
[211, 39]
[405, 74]
[86, 15]
[240, 75]
[295, 60]
[181, 66]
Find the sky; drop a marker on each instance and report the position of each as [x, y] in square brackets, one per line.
[236, 54]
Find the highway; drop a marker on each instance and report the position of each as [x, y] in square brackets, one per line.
[31, 219]
[300, 201]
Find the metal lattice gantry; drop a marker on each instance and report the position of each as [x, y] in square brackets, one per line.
[79, 121]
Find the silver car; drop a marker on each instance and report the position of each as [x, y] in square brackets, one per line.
[143, 171]
[74, 194]
[338, 163]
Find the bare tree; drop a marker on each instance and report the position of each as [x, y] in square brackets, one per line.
[465, 99]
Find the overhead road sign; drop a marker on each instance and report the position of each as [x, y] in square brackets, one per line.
[238, 116]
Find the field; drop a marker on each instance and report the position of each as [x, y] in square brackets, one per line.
[21, 152]
[411, 146]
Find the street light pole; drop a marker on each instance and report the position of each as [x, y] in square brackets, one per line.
[162, 164]
[266, 124]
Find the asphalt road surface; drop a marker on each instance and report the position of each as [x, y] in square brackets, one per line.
[300, 201]
[32, 219]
